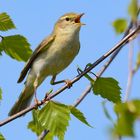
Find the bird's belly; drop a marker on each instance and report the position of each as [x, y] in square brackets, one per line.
[54, 60]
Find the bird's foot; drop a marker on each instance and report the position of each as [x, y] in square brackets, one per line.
[36, 101]
[68, 82]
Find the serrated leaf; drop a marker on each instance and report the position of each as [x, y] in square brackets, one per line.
[35, 125]
[127, 114]
[133, 9]
[107, 88]
[17, 47]
[1, 137]
[0, 93]
[79, 115]
[120, 25]
[55, 117]
[5, 22]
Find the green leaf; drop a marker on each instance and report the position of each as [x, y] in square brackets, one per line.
[79, 115]
[120, 25]
[55, 117]
[127, 114]
[0, 93]
[107, 88]
[17, 47]
[35, 125]
[1, 137]
[5, 22]
[133, 9]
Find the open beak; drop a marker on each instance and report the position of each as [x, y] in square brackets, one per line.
[77, 19]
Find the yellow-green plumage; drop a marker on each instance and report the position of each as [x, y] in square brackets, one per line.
[51, 57]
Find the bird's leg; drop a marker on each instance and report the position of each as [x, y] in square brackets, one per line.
[67, 81]
[35, 89]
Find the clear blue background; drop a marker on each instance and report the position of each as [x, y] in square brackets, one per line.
[35, 20]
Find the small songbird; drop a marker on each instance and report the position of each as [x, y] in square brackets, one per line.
[50, 58]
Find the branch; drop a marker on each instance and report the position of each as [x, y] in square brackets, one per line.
[123, 42]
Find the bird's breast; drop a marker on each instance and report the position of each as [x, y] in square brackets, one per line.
[58, 56]
[63, 52]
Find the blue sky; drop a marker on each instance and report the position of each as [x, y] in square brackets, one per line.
[35, 20]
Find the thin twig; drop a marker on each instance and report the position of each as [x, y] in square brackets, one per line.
[43, 135]
[116, 52]
[123, 42]
[84, 94]
[130, 67]
[130, 74]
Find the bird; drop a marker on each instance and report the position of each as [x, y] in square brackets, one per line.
[51, 57]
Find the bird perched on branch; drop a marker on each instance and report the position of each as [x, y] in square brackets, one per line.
[51, 57]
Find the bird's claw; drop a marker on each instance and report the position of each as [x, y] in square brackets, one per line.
[69, 83]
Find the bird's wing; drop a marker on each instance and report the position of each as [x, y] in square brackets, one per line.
[43, 46]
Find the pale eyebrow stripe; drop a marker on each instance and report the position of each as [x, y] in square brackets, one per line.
[64, 17]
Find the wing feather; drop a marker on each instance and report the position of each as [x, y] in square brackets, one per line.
[43, 45]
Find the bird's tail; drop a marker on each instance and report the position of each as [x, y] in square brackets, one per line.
[23, 101]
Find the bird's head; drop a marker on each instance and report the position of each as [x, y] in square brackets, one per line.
[69, 22]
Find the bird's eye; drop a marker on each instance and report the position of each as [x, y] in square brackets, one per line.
[67, 19]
